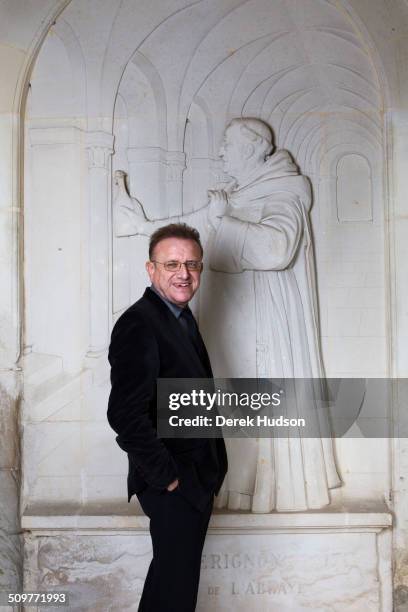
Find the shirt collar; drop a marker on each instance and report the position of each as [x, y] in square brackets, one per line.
[176, 310]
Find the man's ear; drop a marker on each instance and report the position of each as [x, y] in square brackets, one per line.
[248, 150]
[149, 265]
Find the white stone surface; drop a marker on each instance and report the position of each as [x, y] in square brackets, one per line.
[322, 115]
[231, 57]
[297, 561]
[290, 572]
[56, 269]
[353, 516]
[22, 27]
[10, 538]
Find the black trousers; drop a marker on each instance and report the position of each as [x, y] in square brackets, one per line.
[178, 532]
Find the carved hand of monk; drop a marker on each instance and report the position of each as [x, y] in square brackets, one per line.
[130, 218]
[218, 200]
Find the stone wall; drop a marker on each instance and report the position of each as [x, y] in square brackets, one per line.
[331, 79]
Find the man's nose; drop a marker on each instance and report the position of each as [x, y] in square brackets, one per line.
[184, 272]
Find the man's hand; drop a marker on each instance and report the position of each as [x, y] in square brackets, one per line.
[173, 485]
[218, 200]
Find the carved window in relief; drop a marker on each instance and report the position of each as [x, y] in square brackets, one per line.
[353, 188]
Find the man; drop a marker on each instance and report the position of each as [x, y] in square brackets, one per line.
[174, 480]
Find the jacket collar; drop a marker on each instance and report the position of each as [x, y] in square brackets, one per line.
[176, 310]
[174, 328]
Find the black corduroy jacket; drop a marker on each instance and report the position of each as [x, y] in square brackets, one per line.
[148, 343]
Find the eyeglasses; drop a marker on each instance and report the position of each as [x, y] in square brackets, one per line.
[174, 266]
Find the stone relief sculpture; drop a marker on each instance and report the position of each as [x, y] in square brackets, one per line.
[258, 230]
[127, 209]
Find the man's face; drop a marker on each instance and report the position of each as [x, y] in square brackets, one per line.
[232, 151]
[180, 286]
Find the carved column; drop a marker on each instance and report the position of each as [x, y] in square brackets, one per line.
[176, 164]
[99, 146]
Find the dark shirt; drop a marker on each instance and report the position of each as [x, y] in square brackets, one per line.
[176, 310]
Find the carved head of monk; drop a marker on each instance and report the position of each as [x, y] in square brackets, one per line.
[246, 144]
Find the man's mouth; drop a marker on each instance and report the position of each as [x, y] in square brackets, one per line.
[182, 284]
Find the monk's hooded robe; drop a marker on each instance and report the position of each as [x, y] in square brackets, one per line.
[262, 288]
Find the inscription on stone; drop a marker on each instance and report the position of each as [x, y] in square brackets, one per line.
[289, 571]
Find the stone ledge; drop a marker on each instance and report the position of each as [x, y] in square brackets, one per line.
[92, 519]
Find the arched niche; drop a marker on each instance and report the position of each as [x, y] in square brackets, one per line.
[125, 17]
[354, 188]
[351, 249]
[311, 73]
[58, 83]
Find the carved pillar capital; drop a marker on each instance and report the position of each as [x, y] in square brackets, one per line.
[99, 146]
[176, 164]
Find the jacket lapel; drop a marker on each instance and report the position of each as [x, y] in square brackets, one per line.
[174, 328]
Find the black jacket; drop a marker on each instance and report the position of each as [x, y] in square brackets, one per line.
[147, 343]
